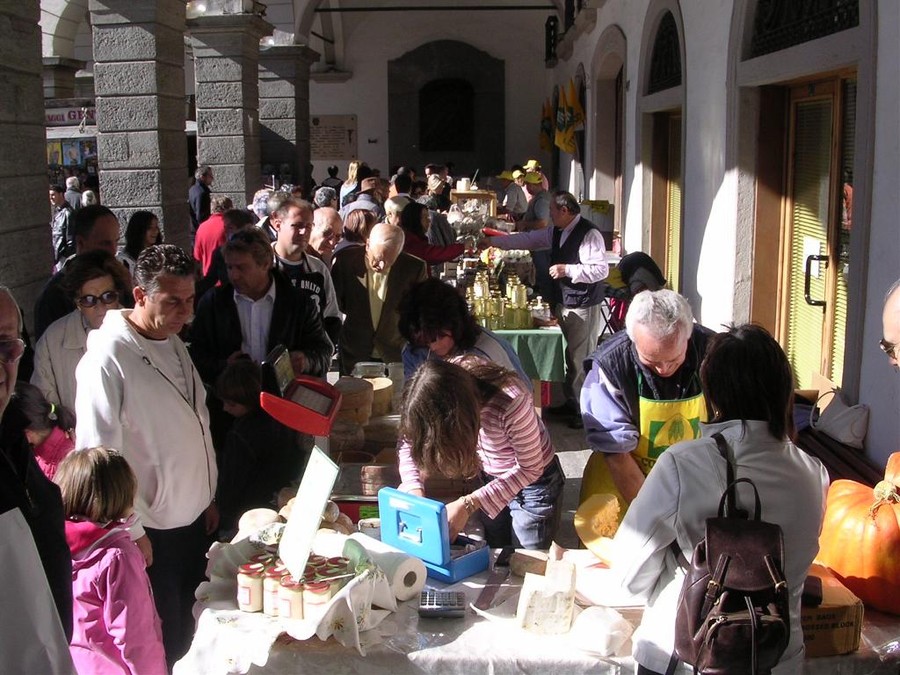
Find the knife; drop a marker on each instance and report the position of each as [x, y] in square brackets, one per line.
[495, 580]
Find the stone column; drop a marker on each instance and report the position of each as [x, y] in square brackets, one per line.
[139, 83]
[25, 257]
[226, 64]
[284, 109]
[59, 76]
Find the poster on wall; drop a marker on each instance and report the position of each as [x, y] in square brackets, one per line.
[54, 153]
[71, 153]
[333, 137]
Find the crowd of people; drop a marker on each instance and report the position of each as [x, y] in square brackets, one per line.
[134, 436]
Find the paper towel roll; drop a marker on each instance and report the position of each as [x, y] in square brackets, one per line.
[405, 573]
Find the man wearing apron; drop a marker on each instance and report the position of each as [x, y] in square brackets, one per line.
[642, 394]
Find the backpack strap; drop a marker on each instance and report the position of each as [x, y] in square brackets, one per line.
[731, 507]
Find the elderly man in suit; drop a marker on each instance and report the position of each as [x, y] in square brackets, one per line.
[369, 282]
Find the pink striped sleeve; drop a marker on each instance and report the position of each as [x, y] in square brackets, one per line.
[514, 447]
[409, 472]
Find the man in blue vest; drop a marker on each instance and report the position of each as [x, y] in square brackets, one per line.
[577, 266]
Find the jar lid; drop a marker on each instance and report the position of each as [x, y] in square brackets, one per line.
[252, 569]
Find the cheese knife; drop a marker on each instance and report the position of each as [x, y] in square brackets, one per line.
[498, 575]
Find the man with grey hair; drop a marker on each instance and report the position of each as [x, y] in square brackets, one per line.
[199, 196]
[73, 192]
[139, 392]
[369, 282]
[642, 393]
[326, 233]
[325, 197]
[890, 321]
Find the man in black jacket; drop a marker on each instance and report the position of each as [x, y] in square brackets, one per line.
[258, 310]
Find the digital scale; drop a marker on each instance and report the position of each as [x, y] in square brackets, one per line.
[418, 526]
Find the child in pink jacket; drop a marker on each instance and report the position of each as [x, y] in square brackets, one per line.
[116, 628]
[49, 428]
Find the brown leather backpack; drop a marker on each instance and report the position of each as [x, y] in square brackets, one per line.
[733, 611]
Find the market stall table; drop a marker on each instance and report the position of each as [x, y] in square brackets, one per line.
[224, 643]
[542, 352]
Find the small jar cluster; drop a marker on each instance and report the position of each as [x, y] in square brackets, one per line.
[265, 585]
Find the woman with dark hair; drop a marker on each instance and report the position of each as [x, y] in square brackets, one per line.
[142, 231]
[95, 281]
[436, 323]
[415, 220]
[748, 385]
[48, 428]
[468, 417]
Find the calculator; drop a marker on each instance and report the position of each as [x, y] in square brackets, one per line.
[442, 604]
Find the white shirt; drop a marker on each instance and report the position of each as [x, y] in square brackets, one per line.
[256, 318]
[592, 252]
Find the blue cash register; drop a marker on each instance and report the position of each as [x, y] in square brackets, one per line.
[418, 526]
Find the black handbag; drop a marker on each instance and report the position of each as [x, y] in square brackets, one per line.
[733, 611]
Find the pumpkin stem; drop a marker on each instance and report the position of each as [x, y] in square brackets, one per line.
[885, 493]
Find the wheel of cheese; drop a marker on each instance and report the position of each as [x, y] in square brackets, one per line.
[383, 392]
[360, 416]
[355, 392]
[383, 430]
[597, 519]
[345, 436]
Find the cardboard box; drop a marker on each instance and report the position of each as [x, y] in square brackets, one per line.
[834, 627]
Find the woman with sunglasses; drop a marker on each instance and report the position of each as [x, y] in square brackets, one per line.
[95, 281]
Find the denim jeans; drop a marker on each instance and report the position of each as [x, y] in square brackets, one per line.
[531, 518]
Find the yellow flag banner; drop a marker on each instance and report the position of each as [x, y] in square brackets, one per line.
[559, 137]
[567, 142]
[546, 137]
[575, 105]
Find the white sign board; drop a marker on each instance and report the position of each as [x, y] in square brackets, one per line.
[333, 137]
[306, 513]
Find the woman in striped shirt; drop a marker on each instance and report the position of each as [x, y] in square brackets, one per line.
[467, 417]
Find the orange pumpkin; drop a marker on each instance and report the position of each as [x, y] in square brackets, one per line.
[860, 538]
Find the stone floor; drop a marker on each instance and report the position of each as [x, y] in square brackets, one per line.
[573, 454]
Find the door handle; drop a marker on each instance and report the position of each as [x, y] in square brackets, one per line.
[808, 275]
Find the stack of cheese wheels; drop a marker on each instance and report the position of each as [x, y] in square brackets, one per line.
[357, 396]
[382, 395]
[345, 437]
[382, 432]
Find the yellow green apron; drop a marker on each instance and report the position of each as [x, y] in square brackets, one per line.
[661, 424]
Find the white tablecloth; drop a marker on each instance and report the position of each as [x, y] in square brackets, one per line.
[405, 643]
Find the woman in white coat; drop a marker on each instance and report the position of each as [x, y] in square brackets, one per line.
[94, 281]
[748, 386]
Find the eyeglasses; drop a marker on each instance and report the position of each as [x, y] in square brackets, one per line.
[888, 348]
[107, 298]
[11, 350]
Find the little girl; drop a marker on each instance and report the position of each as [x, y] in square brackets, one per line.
[116, 628]
[48, 428]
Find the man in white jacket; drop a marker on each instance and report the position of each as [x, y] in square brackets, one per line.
[139, 392]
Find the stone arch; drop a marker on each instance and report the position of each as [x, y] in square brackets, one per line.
[653, 133]
[60, 21]
[443, 60]
[747, 77]
[609, 77]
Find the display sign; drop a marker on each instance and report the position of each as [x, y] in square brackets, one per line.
[66, 117]
[333, 137]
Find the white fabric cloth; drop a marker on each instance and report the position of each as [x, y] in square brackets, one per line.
[31, 635]
[256, 318]
[56, 355]
[125, 402]
[682, 491]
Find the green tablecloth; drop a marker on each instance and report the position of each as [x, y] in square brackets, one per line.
[542, 352]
